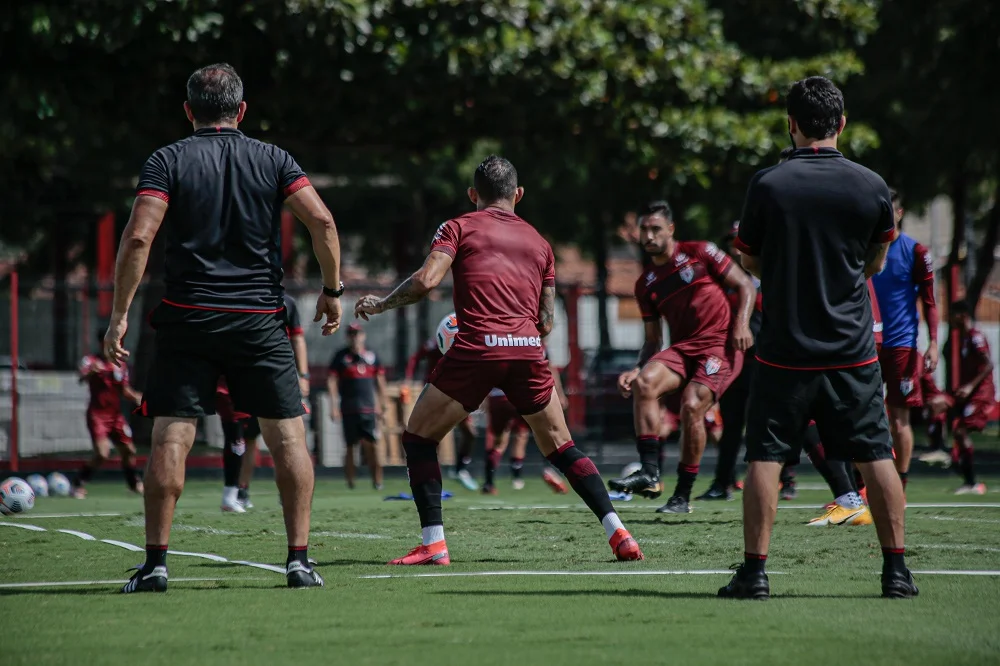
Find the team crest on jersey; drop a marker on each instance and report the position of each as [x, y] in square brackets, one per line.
[118, 374]
[680, 259]
[687, 274]
[712, 366]
[650, 278]
[906, 386]
[362, 369]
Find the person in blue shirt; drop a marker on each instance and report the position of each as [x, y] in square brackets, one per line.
[908, 277]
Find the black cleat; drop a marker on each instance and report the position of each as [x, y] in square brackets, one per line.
[898, 585]
[746, 585]
[639, 483]
[142, 581]
[675, 504]
[715, 492]
[789, 491]
[299, 575]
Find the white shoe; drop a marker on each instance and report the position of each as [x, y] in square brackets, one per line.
[938, 457]
[233, 507]
[467, 481]
[978, 489]
[518, 484]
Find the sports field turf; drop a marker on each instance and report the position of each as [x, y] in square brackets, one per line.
[825, 609]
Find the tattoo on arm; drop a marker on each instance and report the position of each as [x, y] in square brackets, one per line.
[547, 310]
[408, 293]
[875, 258]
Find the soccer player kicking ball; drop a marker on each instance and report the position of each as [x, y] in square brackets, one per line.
[684, 285]
[504, 274]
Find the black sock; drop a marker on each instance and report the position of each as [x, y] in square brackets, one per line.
[904, 477]
[232, 452]
[516, 467]
[967, 466]
[834, 472]
[298, 554]
[461, 463]
[892, 559]
[754, 563]
[131, 475]
[491, 462]
[859, 480]
[156, 556]
[686, 475]
[425, 477]
[935, 431]
[648, 447]
[662, 462]
[788, 474]
[83, 476]
[243, 493]
[583, 476]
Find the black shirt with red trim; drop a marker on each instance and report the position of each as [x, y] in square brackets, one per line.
[811, 220]
[225, 192]
[357, 379]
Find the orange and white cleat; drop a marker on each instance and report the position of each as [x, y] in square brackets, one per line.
[974, 489]
[625, 547]
[554, 481]
[436, 553]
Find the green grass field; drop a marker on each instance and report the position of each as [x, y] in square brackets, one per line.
[825, 608]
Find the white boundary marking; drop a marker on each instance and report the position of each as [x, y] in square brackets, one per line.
[204, 556]
[123, 544]
[957, 546]
[937, 572]
[463, 574]
[65, 583]
[792, 507]
[942, 505]
[35, 516]
[258, 565]
[82, 535]
[348, 535]
[24, 526]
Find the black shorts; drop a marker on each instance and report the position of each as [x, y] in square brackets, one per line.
[847, 405]
[195, 348]
[358, 427]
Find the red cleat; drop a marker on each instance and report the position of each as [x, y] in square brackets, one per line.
[864, 494]
[436, 553]
[626, 548]
[738, 485]
[555, 482]
[489, 489]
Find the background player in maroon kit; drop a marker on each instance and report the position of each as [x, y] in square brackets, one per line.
[108, 384]
[975, 398]
[685, 286]
[465, 432]
[504, 274]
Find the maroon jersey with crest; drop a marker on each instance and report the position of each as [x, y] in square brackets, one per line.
[687, 292]
[106, 383]
[501, 264]
[975, 357]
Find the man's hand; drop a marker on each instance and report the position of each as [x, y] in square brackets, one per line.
[329, 307]
[113, 350]
[964, 391]
[741, 337]
[369, 305]
[304, 387]
[335, 414]
[625, 382]
[931, 357]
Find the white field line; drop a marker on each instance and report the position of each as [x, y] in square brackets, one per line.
[204, 556]
[24, 526]
[124, 544]
[697, 505]
[82, 535]
[942, 572]
[36, 516]
[468, 574]
[958, 546]
[73, 583]
[954, 519]
[349, 535]
[258, 565]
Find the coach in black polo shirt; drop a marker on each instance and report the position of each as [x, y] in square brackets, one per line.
[218, 195]
[814, 229]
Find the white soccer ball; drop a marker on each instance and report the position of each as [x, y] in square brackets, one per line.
[447, 330]
[39, 485]
[631, 468]
[16, 496]
[58, 485]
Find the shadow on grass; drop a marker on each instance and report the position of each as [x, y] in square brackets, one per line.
[646, 594]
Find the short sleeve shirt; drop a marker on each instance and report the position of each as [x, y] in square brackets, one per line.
[357, 380]
[106, 383]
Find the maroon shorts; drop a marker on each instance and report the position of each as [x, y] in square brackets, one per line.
[902, 372]
[109, 426]
[715, 366]
[527, 384]
[974, 415]
[503, 416]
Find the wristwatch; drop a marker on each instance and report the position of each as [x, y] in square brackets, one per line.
[334, 293]
[304, 375]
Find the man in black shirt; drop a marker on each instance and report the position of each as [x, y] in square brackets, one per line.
[218, 195]
[814, 228]
[357, 397]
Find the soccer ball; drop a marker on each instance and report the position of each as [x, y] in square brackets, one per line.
[631, 468]
[39, 485]
[58, 485]
[16, 496]
[447, 330]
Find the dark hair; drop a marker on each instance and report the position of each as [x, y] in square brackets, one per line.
[495, 179]
[895, 197]
[214, 93]
[658, 207]
[817, 106]
[960, 308]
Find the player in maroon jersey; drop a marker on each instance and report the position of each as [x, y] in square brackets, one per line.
[465, 432]
[975, 397]
[685, 285]
[504, 274]
[108, 384]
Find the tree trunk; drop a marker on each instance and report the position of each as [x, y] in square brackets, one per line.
[986, 251]
[600, 241]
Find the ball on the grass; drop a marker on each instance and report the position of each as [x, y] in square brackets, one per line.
[16, 496]
[447, 330]
[58, 485]
[631, 468]
[39, 485]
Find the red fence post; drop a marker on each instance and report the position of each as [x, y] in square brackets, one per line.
[574, 369]
[13, 372]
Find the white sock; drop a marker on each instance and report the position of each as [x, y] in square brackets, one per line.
[432, 534]
[612, 523]
[851, 500]
[229, 494]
